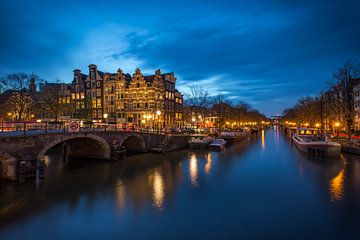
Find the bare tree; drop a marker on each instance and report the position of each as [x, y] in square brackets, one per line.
[19, 100]
[197, 101]
[345, 77]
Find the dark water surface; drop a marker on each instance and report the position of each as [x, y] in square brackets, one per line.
[262, 188]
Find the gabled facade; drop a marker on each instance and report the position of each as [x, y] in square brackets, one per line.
[138, 100]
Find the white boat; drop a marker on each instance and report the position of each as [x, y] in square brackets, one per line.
[308, 140]
[200, 141]
[218, 144]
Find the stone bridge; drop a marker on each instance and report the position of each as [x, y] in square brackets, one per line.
[28, 152]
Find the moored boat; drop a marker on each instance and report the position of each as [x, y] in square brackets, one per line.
[308, 140]
[233, 136]
[200, 141]
[218, 144]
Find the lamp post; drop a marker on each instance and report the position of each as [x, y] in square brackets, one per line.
[158, 113]
[193, 122]
[105, 117]
[336, 126]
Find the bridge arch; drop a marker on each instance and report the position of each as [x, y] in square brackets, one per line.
[134, 143]
[81, 145]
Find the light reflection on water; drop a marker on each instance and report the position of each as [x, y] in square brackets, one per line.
[337, 186]
[158, 189]
[172, 196]
[193, 169]
[208, 164]
[263, 139]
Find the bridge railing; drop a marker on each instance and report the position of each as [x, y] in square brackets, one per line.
[31, 128]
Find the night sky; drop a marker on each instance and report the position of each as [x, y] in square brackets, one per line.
[267, 53]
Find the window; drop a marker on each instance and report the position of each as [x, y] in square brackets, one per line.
[98, 103]
[98, 92]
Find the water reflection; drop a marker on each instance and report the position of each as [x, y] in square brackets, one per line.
[193, 169]
[208, 164]
[263, 139]
[158, 189]
[151, 192]
[120, 192]
[337, 187]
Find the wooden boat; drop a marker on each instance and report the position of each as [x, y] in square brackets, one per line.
[218, 144]
[200, 141]
[309, 141]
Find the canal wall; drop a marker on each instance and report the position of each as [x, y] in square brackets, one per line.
[175, 142]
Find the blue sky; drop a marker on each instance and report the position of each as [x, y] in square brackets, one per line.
[267, 53]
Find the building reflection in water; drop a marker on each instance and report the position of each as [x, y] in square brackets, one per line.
[120, 192]
[193, 170]
[263, 139]
[337, 186]
[208, 164]
[158, 189]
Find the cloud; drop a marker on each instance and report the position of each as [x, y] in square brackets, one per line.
[268, 53]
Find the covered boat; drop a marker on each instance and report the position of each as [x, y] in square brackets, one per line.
[233, 136]
[200, 141]
[310, 141]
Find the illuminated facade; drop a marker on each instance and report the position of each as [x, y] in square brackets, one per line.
[137, 100]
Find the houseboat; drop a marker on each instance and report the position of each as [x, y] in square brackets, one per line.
[232, 136]
[200, 141]
[310, 141]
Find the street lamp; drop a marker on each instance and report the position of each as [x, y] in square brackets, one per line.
[105, 117]
[336, 125]
[158, 113]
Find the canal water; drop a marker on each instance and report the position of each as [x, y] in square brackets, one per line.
[261, 188]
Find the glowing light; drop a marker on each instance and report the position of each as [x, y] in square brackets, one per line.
[193, 170]
[317, 125]
[158, 189]
[158, 112]
[9, 114]
[208, 164]
[263, 139]
[105, 115]
[337, 187]
[193, 119]
[337, 124]
[38, 120]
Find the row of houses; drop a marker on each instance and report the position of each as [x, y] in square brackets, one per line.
[134, 100]
[138, 100]
[334, 105]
